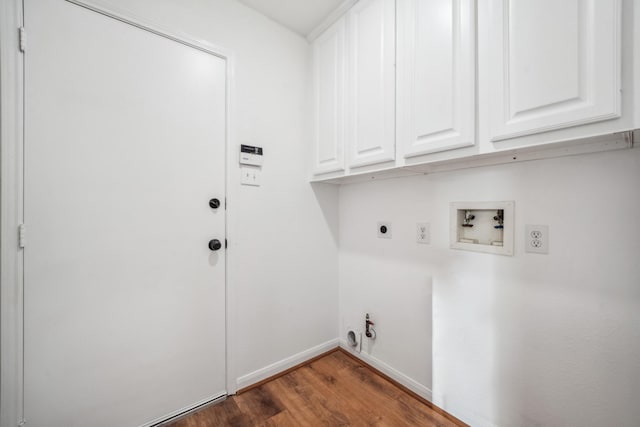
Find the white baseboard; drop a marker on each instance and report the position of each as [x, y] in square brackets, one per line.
[408, 382]
[284, 364]
[462, 413]
[172, 416]
[457, 411]
[398, 376]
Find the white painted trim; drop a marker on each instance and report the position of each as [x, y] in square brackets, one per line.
[376, 175]
[179, 413]
[331, 19]
[284, 364]
[461, 413]
[11, 214]
[589, 145]
[104, 7]
[231, 300]
[394, 374]
[636, 65]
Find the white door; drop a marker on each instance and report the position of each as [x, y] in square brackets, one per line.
[553, 64]
[124, 148]
[328, 77]
[371, 82]
[436, 75]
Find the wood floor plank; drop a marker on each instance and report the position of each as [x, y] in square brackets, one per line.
[225, 413]
[334, 390]
[258, 406]
[367, 396]
[282, 419]
[436, 416]
[412, 410]
[353, 402]
[306, 395]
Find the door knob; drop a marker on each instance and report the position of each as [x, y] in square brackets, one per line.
[214, 244]
[214, 203]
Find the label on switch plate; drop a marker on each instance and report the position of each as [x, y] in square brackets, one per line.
[250, 155]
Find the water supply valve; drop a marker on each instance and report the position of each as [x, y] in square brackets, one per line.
[369, 331]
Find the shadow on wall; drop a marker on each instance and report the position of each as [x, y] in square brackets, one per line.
[464, 325]
[327, 198]
[567, 342]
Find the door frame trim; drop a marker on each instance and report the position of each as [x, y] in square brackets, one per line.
[12, 194]
[11, 260]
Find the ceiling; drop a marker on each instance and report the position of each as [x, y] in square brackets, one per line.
[301, 16]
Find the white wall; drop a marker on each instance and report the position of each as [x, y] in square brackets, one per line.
[283, 247]
[528, 340]
[387, 278]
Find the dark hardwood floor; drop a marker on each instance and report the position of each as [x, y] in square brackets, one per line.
[334, 390]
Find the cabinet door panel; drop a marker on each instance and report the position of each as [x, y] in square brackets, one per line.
[372, 82]
[553, 64]
[436, 75]
[329, 75]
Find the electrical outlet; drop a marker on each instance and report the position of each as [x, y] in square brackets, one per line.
[423, 234]
[536, 239]
[384, 230]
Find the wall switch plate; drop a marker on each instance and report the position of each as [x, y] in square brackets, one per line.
[250, 176]
[423, 233]
[384, 229]
[250, 155]
[536, 239]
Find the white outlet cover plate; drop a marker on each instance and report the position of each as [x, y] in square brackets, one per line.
[423, 233]
[386, 235]
[250, 176]
[536, 239]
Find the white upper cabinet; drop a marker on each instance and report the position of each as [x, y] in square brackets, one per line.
[553, 64]
[329, 68]
[408, 85]
[371, 82]
[436, 75]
